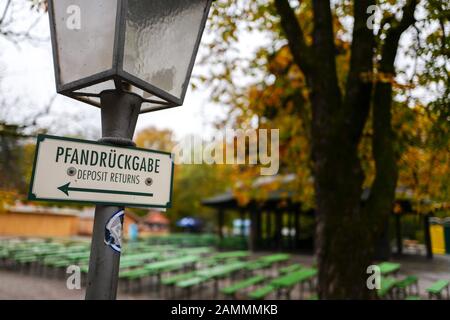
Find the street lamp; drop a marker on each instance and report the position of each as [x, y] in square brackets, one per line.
[146, 47]
[126, 57]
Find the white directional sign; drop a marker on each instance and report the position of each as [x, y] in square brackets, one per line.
[86, 171]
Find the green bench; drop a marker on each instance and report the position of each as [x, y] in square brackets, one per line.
[412, 298]
[26, 258]
[387, 288]
[287, 282]
[171, 264]
[261, 293]
[387, 268]
[275, 258]
[171, 280]
[135, 274]
[404, 286]
[257, 265]
[75, 257]
[221, 271]
[188, 284]
[231, 255]
[435, 290]
[199, 251]
[290, 269]
[234, 288]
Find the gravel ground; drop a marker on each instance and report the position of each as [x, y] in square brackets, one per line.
[16, 285]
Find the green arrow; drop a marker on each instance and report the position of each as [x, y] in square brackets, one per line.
[66, 188]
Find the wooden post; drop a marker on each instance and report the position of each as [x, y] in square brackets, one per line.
[297, 228]
[290, 237]
[426, 223]
[398, 233]
[220, 222]
[253, 230]
[278, 227]
[242, 218]
[258, 217]
[269, 229]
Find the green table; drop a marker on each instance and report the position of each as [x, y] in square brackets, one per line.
[387, 268]
[171, 264]
[234, 288]
[140, 256]
[288, 281]
[199, 250]
[219, 272]
[292, 279]
[261, 293]
[387, 287]
[275, 258]
[257, 265]
[77, 256]
[231, 255]
[437, 287]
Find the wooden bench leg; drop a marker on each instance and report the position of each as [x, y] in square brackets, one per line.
[216, 287]
[127, 285]
[301, 290]
[278, 294]
[158, 281]
[172, 291]
[310, 286]
[188, 293]
[402, 293]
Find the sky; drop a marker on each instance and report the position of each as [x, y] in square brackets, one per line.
[26, 71]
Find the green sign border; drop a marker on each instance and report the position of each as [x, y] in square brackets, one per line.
[42, 137]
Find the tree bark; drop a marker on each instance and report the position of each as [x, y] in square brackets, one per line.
[341, 240]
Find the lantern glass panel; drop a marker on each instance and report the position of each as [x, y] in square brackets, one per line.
[160, 41]
[85, 33]
[97, 88]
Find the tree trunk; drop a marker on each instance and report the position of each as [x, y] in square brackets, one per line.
[343, 245]
[346, 231]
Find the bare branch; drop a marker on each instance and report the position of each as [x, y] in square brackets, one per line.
[382, 194]
[390, 47]
[5, 11]
[325, 73]
[295, 36]
[359, 85]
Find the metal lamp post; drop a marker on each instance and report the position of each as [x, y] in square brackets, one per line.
[125, 57]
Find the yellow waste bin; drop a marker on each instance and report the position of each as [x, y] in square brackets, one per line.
[437, 239]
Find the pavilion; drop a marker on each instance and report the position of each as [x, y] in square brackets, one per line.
[278, 212]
